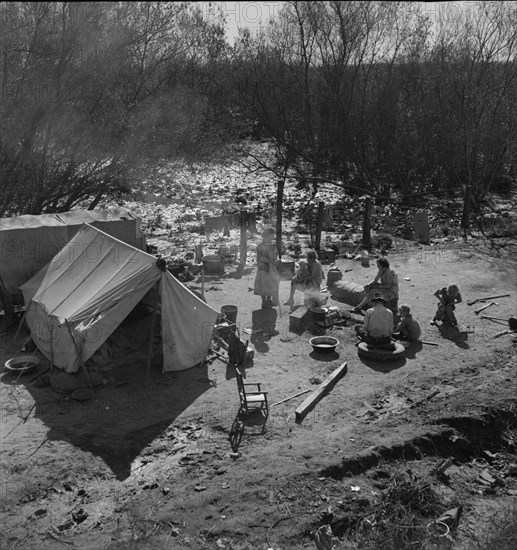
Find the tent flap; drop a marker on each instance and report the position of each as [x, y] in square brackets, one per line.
[187, 325]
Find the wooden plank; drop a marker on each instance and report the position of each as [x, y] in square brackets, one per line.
[299, 313]
[311, 401]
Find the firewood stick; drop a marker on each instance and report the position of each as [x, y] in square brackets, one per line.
[291, 397]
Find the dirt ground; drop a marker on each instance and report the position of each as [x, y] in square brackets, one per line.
[151, 466]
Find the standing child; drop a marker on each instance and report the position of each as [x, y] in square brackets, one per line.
[267, 280]
[408, 328]
[448, 296]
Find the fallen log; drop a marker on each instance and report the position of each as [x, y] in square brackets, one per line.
[311, 401]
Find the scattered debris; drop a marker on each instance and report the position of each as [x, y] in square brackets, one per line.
[451, 518]
[487, 478]
[79, 515]
[488, 456]
[479, 310]
[324, 538]
[472, 302]
[427, 398]
[441, 468]
[65, 526]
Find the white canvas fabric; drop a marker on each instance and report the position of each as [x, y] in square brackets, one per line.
[89, 288]
[29, 242]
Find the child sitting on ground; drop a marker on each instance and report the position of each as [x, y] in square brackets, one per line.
[408, 328]
[448, 296]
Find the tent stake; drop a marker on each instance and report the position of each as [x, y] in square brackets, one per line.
[151, 335]
[79, 354]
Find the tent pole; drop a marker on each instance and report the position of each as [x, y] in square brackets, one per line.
[79, 354]
[151, 334]
[203, 283]
[51, 348]
[21, 322]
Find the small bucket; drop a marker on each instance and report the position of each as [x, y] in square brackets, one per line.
[327, 256]
[230, 312]
[334, 275]
[213, 264]
[365, 259]
[319, 315]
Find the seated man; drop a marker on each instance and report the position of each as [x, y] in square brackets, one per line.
[308, 277]
[378, 323]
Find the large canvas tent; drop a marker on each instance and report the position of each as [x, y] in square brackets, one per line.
[28, 242]
[84, 293]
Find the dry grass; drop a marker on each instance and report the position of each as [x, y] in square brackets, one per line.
[400, 521]
[501, 531]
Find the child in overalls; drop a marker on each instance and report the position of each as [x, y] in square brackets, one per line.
[448, 296]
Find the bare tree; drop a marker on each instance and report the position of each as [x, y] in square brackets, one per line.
[93, 90]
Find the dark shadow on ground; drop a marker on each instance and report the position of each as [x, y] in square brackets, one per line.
[209, 278]
[324, 357]
[454, 334]
[237, 274]
[259, 344]
[412, 348]
[252, 423]
[121, 419]
[125, 414]
[383, 366]
[263, 328]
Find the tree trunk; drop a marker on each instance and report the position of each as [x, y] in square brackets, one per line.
[279, 213]
[367, 237]
[319, 225]
[244, 240]
[466, 211]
